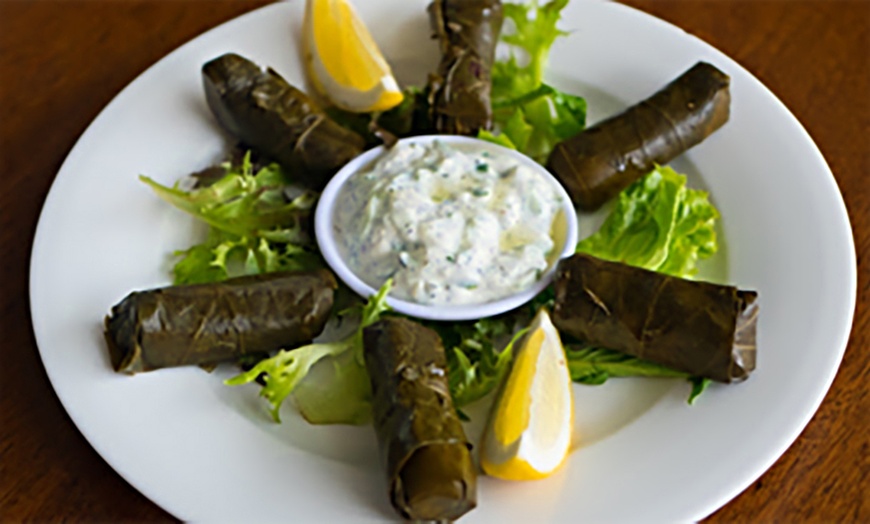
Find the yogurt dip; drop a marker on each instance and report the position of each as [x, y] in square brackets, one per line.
[449, 225]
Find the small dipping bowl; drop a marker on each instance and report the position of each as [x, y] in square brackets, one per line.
[326, 241]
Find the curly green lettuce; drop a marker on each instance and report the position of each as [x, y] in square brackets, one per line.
[529, 115]
[255, 226]
[534, 33]
[342, 397]
[479, 354]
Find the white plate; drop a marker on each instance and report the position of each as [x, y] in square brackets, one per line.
[204, 451]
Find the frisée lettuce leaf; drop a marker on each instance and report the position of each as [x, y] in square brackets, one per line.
[257, 224]
[528, 114]
[533, 34]
[328, 402]
[479, 354]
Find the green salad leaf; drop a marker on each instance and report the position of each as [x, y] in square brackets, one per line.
[657, 224]
[337, 390]
[476, 365]
[589, 365]
[284, 371]
[339, 397]
[255, 227]
[223, 255]
[593, 366]
[529, 115]
[699, 385]
[534, 33]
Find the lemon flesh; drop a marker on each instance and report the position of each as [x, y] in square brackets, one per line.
[528, 435]
[342, 60]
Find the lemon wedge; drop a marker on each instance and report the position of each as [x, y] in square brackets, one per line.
[343, 62]
[528, 435]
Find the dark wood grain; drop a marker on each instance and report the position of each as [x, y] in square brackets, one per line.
[62, 62]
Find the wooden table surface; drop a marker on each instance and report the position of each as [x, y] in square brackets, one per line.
[62, 62]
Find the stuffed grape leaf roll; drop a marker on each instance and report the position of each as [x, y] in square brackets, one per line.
[204, 324]
[261, 109]
[459, 93]
[598, 163]
[704, 329]
[428, 457]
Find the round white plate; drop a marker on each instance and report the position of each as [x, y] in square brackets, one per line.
[207, 452]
